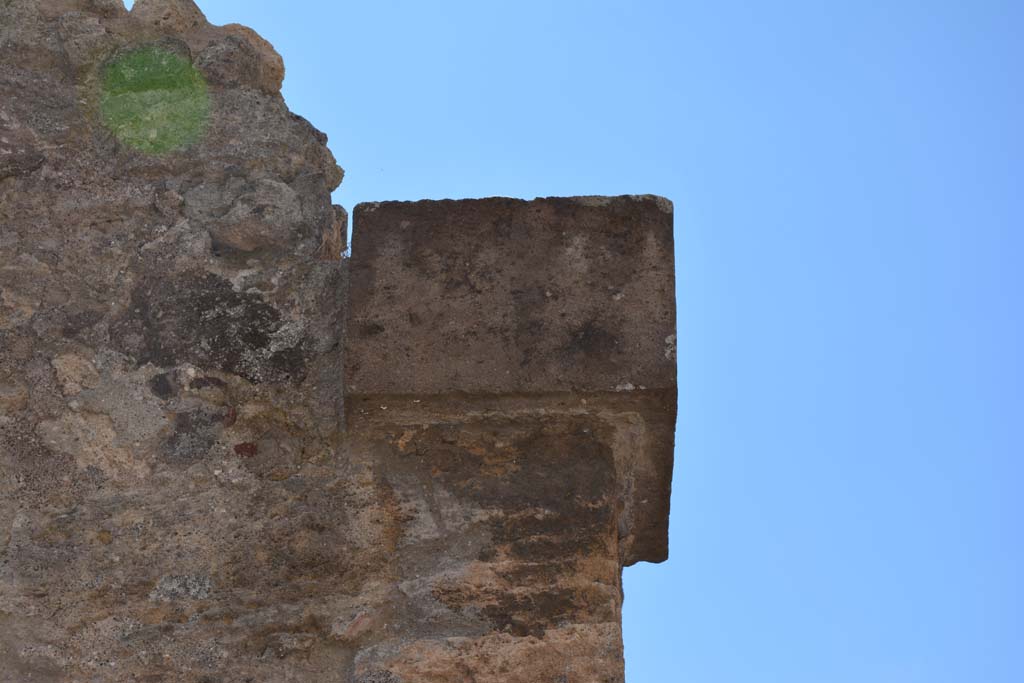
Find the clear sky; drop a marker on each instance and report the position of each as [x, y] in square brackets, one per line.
[848, 178]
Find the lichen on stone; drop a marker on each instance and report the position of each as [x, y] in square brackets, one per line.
[154, 100]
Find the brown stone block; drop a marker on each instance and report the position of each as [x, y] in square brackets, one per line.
[551, 445]
[500, 296]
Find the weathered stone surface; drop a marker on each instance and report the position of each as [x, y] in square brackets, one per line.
[176, 16]
[518, 515]
[171, 486]
[189, 491]
[519, 359]
[504, 295]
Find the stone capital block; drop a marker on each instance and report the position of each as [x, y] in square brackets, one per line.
[504, 306]
[506, 296]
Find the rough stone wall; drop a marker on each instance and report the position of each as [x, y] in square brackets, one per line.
[204, 478]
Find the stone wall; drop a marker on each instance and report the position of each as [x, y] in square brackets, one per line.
[204, 477]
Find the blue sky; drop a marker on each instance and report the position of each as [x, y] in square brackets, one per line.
[847, 177]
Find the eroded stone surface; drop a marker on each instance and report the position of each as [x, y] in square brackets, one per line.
[188, 492]
[170, 486]
[504, 295]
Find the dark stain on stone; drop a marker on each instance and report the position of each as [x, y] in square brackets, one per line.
[370, 329]
[162, 386]
[76, 323]
[591, 339]
[201, 320]
[531, 614]
[204, 382]
[520, 613]
[246, 450]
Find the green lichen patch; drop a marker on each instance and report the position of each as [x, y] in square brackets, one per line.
[154, 100]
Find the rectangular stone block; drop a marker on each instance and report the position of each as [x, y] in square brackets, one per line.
[634, 429]
[500, 296]
[557, 306]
